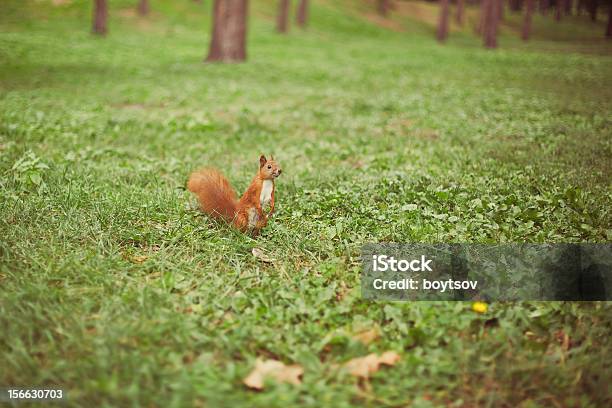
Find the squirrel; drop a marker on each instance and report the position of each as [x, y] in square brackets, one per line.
[218, 199]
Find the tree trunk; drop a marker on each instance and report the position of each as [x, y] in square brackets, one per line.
[100, 17]
[143, 7]
[593, 4]
[515, 5]
[544, 5]
[609, 29]
[569, 5]
[481, 17]
[490, 23]
[382, 7]
[500, 10]
[302, 14]
[460, 11]
[443, 22]
[559, 6]
[282, 19]
[228, 42]
[527, 22]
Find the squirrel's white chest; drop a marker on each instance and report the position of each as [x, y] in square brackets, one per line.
[266, 192]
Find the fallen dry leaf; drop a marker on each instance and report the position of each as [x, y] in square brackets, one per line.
[364, 366]
[389, 358]
[139, 258]
[367, 336]
[273, 369]
[261, 255]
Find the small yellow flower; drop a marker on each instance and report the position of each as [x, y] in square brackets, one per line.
[480, 307]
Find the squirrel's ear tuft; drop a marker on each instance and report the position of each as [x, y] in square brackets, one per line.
[262, 160]
[271, 157]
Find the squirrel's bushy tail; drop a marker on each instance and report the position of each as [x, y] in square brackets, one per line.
[217, 198]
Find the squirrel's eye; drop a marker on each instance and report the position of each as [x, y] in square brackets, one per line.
[269, 166]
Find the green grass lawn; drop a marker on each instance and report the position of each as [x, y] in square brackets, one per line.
[113, 287]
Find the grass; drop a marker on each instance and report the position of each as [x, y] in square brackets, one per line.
[114, 288]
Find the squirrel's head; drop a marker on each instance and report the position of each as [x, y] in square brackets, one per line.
[268, 169]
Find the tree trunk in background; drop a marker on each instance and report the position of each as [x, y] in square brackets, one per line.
[282, 18]
[490, 23]
[527, 22]
[382, 7]
[569, 5]
[143, 7]
[100, 17]
[544, 4]
[443, 22]
[515, 5]
[481, 17]
[500, 10]
[302, 14]
[609, 29]
[228, 43]
[559, 7]
[593, 9]
[460, 11]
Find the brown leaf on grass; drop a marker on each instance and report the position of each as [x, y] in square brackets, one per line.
[139, 258]
[367, 336]
[189, 357]
[261, 255]
[363, 367]
[273, 369]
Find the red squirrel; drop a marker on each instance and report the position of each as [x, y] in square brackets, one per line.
[218, 199]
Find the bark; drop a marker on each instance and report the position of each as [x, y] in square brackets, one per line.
[383, 7]
[282, 19]
[593, 4]
[490, 23]
[529, 5]
[302, 14]
[443, 22]
[481, 17]
[100, 17]
[228, 42]
[515, 5]
[544, 5]
[460, 11]
[143, 7]
[609, 28]
[559, 6]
